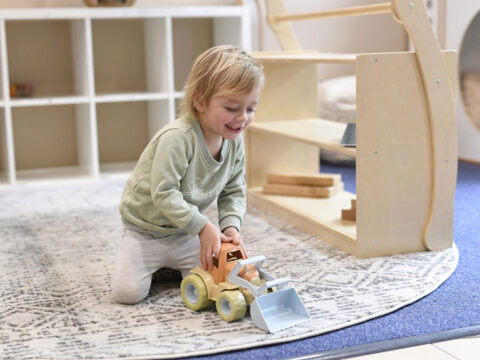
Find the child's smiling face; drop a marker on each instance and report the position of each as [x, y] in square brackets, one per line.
[226, 116]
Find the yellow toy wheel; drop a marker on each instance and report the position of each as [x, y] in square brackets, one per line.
[231, 305]
[194, 292]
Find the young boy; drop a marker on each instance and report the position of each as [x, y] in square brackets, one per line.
[190, 163]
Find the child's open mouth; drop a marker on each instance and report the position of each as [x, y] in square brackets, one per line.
[234, 128]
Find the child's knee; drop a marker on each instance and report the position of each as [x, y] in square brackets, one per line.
[185, 272]
[129, 293]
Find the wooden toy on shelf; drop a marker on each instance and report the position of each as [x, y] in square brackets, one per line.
[406, 142]
[21, 90]
[350, 214]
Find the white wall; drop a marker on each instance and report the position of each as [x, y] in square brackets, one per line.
[469, 60]
[459, 15]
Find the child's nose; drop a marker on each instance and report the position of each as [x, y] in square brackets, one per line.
[242, 115]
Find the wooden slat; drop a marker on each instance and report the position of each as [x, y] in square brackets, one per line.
[305, 179]
[335, 13]
[302, 190]
[305, 57]
[440, 98]
[283, 30]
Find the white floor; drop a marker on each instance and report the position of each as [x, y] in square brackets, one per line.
[460, 349]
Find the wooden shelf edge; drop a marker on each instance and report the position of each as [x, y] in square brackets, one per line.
[301, 57]
[304, 221]
[130, 97]
[49, 100]
[101, 13]
[271, 128]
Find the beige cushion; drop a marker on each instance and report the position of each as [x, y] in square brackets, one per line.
[471, 96]
[336, 102]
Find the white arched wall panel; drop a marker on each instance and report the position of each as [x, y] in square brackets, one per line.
[459, 15]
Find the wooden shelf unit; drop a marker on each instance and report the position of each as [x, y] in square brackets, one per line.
[406, 141]
[393, 153]
[406, 153]
[105, 80]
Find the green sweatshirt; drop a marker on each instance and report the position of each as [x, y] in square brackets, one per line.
[176, 179]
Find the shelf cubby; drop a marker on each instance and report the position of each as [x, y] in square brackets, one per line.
[192, 36]
[47, 141]
[322, 133]
[124, 129]
[318, 216]
[57, 49]
[130, 58]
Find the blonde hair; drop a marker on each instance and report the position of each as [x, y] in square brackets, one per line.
[224, 70]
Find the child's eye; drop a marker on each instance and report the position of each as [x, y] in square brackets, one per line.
[231, 109]
[251, 110]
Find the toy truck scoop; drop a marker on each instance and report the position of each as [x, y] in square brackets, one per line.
[236, 282]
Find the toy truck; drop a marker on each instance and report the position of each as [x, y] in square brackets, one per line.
[235, 282]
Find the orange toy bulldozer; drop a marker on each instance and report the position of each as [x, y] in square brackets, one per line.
[235, 282]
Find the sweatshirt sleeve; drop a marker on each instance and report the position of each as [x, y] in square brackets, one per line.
[232, 200]
[170, 164]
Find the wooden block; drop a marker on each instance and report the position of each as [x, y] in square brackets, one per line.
[305, 179]
[302, 190]
[349, 214]
[354, 203]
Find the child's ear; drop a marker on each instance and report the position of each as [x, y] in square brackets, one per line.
[198, 105]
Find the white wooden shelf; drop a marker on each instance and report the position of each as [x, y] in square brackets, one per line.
[393, 153]
[104, 80]
[106, 98]
[125, 13]
[41, 101]
[322, 133]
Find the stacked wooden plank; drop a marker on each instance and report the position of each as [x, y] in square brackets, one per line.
[311, 185]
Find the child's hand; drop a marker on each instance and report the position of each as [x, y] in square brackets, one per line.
[210, 238]
[233, 233]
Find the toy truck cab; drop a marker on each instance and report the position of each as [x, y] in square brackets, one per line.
[229, 255]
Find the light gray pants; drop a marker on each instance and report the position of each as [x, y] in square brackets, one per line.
[141, 254]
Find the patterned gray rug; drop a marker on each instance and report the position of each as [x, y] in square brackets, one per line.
[57, 246]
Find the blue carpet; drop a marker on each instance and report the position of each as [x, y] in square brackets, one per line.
[455, 304]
